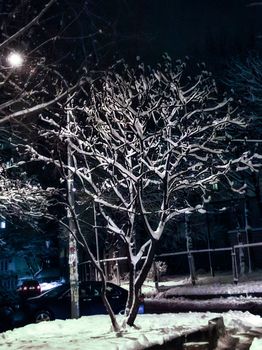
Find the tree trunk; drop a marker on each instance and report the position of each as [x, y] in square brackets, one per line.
[131, 292]
[112, 316]
[82, 240]
[139, 282]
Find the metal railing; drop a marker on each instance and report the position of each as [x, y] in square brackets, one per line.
[87, 271]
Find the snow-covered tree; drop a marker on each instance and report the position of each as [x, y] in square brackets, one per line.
[39, 69]
[146, 143]
[23, 199]
[22, 95]
[244, 76]
[31, 77]
[37, 73]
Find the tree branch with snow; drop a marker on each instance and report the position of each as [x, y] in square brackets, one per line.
[145, 140]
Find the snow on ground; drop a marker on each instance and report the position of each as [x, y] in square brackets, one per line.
[222, 283]
[240, 288]
[45, 286]
[94, 332]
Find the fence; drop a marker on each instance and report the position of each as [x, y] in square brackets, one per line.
[238, 254]
[8, 282]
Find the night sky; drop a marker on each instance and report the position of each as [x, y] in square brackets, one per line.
[208, 30]
[205, 30]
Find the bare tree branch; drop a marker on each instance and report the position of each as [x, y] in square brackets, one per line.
[27, 26]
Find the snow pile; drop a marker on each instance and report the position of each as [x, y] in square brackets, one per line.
[94, 332]
[256, 345]
[242, 321]
[45, 286]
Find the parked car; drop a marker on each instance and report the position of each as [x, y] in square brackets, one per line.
[56, 303]
[27, 288]
[8, 301]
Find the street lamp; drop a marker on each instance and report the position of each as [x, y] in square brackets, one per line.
[15, 59]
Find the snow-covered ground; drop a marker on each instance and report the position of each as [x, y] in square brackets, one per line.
[94, 332]
[222, 283]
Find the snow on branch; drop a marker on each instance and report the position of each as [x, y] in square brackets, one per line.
[254, 3]
[146, 143]
[148, 131]
[23, 200]
[40, 107]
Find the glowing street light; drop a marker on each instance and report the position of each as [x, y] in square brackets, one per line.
[15, 59]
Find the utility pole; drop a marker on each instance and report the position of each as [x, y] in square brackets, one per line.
[240, 251]
[96, 238]
[208, 245]
[247, 234]
[188, 248]
[72, 254]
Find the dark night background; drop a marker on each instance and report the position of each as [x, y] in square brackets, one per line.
[214, 32]
[205, 30]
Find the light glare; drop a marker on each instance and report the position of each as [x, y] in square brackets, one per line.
[15, 59]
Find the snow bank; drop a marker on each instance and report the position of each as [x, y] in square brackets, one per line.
[94, 332]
